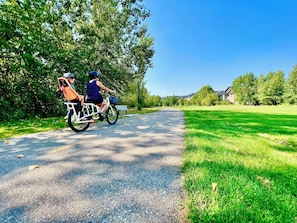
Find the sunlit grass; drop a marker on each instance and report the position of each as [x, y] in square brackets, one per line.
[251, 154]
[22, 127]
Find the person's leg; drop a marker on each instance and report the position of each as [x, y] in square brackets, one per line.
[101, 117]
[103, 106]
[82, 100]
[101, 103]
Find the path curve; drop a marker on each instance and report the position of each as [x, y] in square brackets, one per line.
[128, 172]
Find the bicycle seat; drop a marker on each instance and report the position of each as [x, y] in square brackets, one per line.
[69, 93]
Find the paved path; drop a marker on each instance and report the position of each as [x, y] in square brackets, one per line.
[128, 172]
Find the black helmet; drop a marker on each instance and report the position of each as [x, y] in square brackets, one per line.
[69, 75]
[94, 74]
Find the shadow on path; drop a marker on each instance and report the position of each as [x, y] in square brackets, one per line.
[128, 172]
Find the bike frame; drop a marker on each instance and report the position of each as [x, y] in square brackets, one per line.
[89, 110]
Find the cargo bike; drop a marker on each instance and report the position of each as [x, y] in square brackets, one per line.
[79, 117]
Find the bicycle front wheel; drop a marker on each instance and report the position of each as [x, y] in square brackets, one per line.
[112, 115]
[76, 127]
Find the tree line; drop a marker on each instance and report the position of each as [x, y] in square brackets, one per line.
[42, 39]
[270, 89]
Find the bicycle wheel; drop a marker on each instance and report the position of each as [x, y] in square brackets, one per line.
[112, 115]
[76, 127]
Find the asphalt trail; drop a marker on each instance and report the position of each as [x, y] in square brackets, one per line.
[128, 172]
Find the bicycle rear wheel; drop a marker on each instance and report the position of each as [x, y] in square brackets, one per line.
[112, 115]
[76, 127]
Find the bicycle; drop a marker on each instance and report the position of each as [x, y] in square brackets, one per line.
[79, 119]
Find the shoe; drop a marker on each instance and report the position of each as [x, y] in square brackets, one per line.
[101, 117]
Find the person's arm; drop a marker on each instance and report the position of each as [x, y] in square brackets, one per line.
[99, 83]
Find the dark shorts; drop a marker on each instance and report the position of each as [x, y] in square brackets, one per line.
[96, 101]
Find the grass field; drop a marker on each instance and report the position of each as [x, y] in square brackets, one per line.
[240, 163]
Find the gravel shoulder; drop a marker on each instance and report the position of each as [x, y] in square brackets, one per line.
[128, 172]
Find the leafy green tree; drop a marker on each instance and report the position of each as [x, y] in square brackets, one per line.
[130, 98]
[272, 92]
[181, 102]
[24, 50]
[205, 96]
[40, 40]
[153, 101]
[260, 92]
[170, 101]
[245, 89]
[143, 53]
[210, 99]
[291, 87]
[186, 102]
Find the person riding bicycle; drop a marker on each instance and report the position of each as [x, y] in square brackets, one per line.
[93, 91]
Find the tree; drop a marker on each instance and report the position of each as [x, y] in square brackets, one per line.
[205, 96]
[25, 50]
[273, 89]
[170, 101]
[181, 101]
[291, 87]
[210, 99]
[153, 101]
[40, 40]
[245, 89]
[260, 92]
[143, 53]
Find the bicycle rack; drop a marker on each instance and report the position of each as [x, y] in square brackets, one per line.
[89, 110]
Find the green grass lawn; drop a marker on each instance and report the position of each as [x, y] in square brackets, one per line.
[240, 163]
[22, 127]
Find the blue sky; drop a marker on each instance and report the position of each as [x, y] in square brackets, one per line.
[212, 42]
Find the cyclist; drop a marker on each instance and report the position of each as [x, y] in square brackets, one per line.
[93, 91]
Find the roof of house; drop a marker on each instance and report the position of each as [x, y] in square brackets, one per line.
[228, 90]
[220, 93]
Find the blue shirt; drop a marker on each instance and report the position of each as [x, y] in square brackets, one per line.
[93, 90]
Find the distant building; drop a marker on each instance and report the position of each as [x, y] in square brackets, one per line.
[231, 95]
[223, 95]
[226, 95]
[189, 96]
